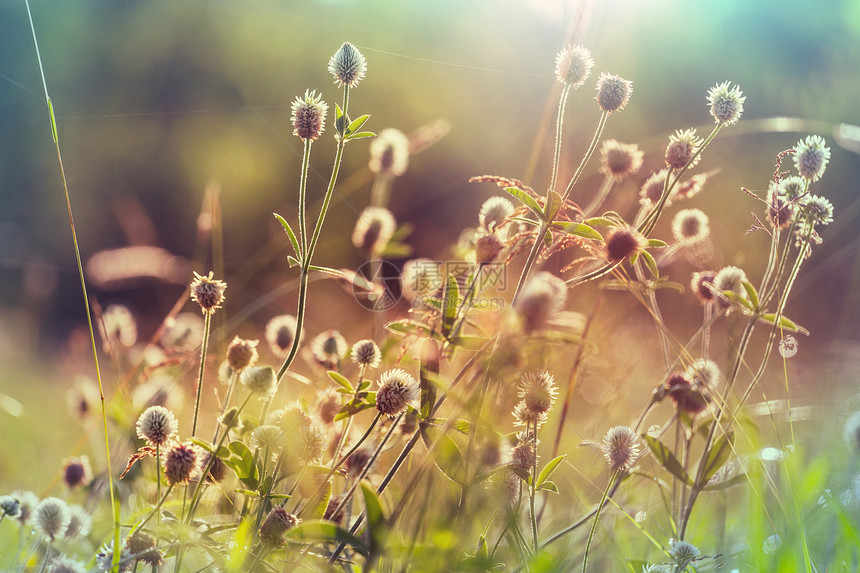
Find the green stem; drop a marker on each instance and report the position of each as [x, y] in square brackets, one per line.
[589, 152]
[303, 189]
[207, 322]
[612, 478]
[54, 133]
[559, 127]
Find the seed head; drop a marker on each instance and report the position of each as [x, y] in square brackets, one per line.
[77, 472]
[652, 189]
[79, 522]
[230, 419]
[622, 243]
[613, 92]
[118, 327]
[280, 334]
[523, 416]
[142, 546]
[692, 186]
[523, 454]
[542, 297]
[701, 285]
[681, 391]
[690, 226]
[104, 558]
[780, 213]
[729, 278]
[683, 145]
[620, 447]
[157, 425]
[811, 157]
[52, 517]
[242, 353]
[309, 115]
[373, 229]
[347, 65]
[727, 105]
[329, 406]
[573, 65]
[683, 554]
[313, 442]
[792, 187]
[268, 437]
[494, 212]
[538, 392]
[620, 159]
[181, 463]
[328, 348]
[389, 152]
[815, 209]
[9, 506]
[397, 389]
[488, 248]
[366, 352]
[207, 292]
[277, 523]
[260, 380]
[703, 372]
[63, 564]
[27, 502]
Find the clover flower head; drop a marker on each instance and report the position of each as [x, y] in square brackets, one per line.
[811, 157]
[308, 115]
[573, 65]
[347, 65]
[727, 104]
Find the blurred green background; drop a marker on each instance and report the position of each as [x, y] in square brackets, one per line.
[156, 100]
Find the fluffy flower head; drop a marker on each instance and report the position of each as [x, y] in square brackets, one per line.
[727, 104]
[811, 157]
[347, 65]
[573, 65]
[157, 425]
[620, 447]
[308, 116]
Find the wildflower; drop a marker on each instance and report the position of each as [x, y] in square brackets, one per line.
[184, 332]
[815, 209]
[690, 225]
[487, 248]
[729, 279]
[701, 285]
[267, 437]
[703, 372]
[573, 65]
[525, 417]
[27, 502]
[792, 187]
[181, 463]
[66, 565]
[281, 333]
[373, 229]
[811, 157]
[83, 398]
[142, 547]
[523, 454]
[157, 425]
[613, 92]
[683, 146]
[619, 159]
[329, 406]
[276, 524]
[207, 292]
[681, 391]
[260, 380]
[230, 419]
[79, 522]
[851, 432]
[389, 152]
[104, 558]
[118, 327]
[9, 506]
[347, 65]
[620, 447]
[308, 115]
[312, 443]
[652, 189]
[494, 212]
[217, 468]
[542, 297]
[366, 352]
[292, 419]
[242, 353]
[691, 187]
[683, 554]
[52, 517]
[771, 544]
[397, 389]
[727, 105]
[328, 348]
[538, 392]
[77, 472]
[622, 243]
[780, 212]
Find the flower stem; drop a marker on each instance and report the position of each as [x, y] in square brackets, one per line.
[207, 322]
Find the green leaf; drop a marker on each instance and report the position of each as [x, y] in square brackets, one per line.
[53, 119]
[751, 293]
[655, 243]
[364, 401]
[293, 261]
[326, 532]
[203, 444]
[531, 222]
[450, 304]
[548, 485]
[326, 270]
[241, 461]
[361, 134]
[552, 205]
[649, 261]
[356, 124]
[340, 379]
[784, 322]
[548, 470]
[409, 327]
[666, 458]
[719, 454]
[736, 480]
[240, 546]
[395, 250]
[578, 230]
[375, 518]
[290, 234]
[738, 299]
[324, 498]
[469, 342]
[600, 222]
[428, 375]
[526, 200]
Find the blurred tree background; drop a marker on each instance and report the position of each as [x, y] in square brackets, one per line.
[158, 100]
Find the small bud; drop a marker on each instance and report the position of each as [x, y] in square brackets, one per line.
[622, 243]
[308, 116]
[260, 380]
[9, 506]
[811, 157]
[727, 105]
[613, 92]
[573, 65]
[230, 419]
[683, 145]
[397, 390]
[347, 65]
[366, 352]
[389, 152]
[690, 226]
[181, 463]
[620, 159]
[207, 292]
[242, 353]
